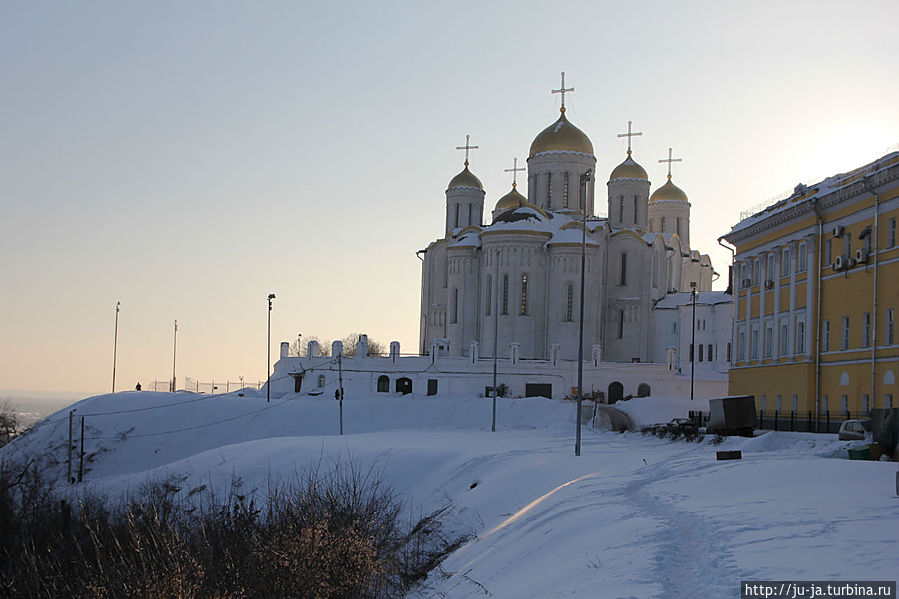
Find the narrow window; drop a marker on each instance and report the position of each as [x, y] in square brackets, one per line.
[824, 404]
[795, 403]
[847, 244]
[455, 306]
[784, 339]
[524, 294]
[469, 214]
[891, 327]
[769, 341]
[866, 329]
[770, 274]
[845, 340]
[549, 190]
[635, 209]
[764, 402]
[457, 217]
[489, 299]
[825, 342]
[505, 295]
[623, 279]
[777, 406]
[828, 256]
[565, 190]
[755, 271]
[891, 232]
[865, 400]
[620, 324]
[700, 352]
[728, 351]
[844, 404]
[888, 401]
[709, 352]
[785, 262]
[741, 346]
[800, 337]
[802, 258]
[570, 302]
[663, 224]
[754, 344]
[621, 208]
[677, 220]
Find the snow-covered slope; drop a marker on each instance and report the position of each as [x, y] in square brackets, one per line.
[633, 516]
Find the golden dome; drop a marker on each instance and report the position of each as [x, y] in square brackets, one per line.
[465, 179]
[511, 200]
[629, 169]
[561, 136]
[668, 191]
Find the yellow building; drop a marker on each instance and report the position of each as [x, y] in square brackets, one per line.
[816, 291]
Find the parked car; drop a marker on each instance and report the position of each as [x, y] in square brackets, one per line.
[855, 430]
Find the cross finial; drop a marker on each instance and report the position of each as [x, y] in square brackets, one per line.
[669, 161]
[467, 147]
[629, 135]
[514, 170]
[562, 90]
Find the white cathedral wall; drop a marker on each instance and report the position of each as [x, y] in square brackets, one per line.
[557, 164]
[565, 269]
[462, 296]
[631, 300]
[671, 211]
[621, 194]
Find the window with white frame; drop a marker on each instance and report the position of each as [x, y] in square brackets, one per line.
[801, 257]
[741, 345]
[866, 329]
[764, 402]
[844, 404]
[755, 271]
[890, 336]
[769, 341]
[825, 336]
[800, 336]
[778, 405]
[754, 344]
[827, 253]
[770, 274]
[795, 403]
[785, 262]
[891, 232]
[784, 338]
[844, 342]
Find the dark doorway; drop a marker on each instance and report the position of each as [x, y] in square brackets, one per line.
[432, 386]
[538, 390]
[616, 392]
[643, 390]
[297, 382]
[404, 386]
[383, 384]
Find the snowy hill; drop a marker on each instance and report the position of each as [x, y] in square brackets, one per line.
[633, 516]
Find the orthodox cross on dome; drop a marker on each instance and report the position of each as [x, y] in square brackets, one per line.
[629, 135]
[514, 170]
[467, 147]
[562, 90]
[669, 161]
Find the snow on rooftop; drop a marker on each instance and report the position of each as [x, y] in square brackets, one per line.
[685, 298]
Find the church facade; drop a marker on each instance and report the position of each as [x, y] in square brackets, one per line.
[515, 276]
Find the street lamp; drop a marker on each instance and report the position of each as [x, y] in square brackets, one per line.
[174, 354]
[299, 344]
[268, 366]
[580, 345]
[115, 342]
[693, 338]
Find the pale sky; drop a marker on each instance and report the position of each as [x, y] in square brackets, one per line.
[188, 159]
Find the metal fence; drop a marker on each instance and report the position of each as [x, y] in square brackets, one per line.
[802, 422]
[196, 386]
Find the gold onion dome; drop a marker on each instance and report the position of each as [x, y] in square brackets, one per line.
[561, 136]
[668, 191]
[512, 200]
[465, 179]
[629, 169]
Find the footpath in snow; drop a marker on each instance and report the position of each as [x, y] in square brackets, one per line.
[633, 516]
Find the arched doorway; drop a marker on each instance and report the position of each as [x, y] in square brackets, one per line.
[383, 384]
[616, 392]
[404, 385]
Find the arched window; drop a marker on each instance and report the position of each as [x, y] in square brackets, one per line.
[635, 209]
[457, 216]
[524, 295]
[623, 279]
[709, 350]
[505, 295]
[383, 384]
[455, 306]
[699, 348]
[663, 224]
[321, 381]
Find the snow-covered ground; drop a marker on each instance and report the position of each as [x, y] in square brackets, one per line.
[633, 516]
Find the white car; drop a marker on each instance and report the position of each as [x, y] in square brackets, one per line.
[855, 430]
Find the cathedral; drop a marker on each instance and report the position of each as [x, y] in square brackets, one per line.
[517, 279]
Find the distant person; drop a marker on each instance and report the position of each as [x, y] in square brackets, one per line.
[137, 387]
[337, 394]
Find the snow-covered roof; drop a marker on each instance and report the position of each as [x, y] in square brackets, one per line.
[685, 298]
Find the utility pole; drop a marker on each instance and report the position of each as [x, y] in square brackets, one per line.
[580, 346]
[495, 338]
[69, 479]
[81, 458]
[268, 349]
[174, 355]
[693, 338]
[115, 343]
[340, 387]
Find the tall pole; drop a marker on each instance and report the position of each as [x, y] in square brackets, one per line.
[495, 338]
[693, 339]
[81, 457]
[580, 345]
[174, 355]
[340, 387]
[115, 343]
[69, 478]
[268, 349]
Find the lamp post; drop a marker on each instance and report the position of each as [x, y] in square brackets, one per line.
[174, 355]
[580, 345]
[115, 343]
[693, 338]
[268, 347]
[299, 344]
[495, 338]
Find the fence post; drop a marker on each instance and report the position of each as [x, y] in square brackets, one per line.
[792, 426]
[761, 419]
[827, 413]
[776, 413]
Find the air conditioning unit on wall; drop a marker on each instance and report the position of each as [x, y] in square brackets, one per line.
[769, 284]
[838, 230]
[861, 256]
[839, 263]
